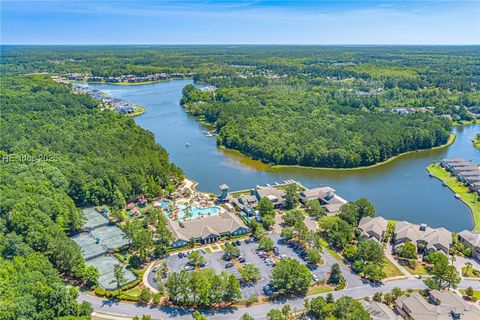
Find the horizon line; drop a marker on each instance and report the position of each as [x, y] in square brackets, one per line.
[239, 44]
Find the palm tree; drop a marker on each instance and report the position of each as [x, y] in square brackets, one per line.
[468, 265]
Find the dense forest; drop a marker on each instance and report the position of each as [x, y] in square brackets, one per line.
[311, 127]
[317, 106]
[60, 152]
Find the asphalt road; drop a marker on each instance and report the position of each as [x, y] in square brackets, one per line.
[258, 311]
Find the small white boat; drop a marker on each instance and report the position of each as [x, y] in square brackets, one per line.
[457, 196]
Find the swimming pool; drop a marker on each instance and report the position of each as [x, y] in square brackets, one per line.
[192, 212]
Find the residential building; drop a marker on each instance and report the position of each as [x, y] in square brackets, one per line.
[277, 196]
[206, 229]
[373, 228]
[471, 240]
[246, 203]
[379, 311]
[422, 236]
[326, 196]
[444, 305]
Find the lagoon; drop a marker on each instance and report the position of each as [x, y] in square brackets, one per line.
[400, 189]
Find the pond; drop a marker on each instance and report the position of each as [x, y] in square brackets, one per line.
[400, 189]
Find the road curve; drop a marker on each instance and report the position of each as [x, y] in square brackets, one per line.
[257, 311]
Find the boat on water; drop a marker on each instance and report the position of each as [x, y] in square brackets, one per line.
[208, 134]
[187, 145]
[457, 196]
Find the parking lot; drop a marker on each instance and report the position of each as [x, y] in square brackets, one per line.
[247, 250]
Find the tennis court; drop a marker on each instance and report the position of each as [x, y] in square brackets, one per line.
[105, 265]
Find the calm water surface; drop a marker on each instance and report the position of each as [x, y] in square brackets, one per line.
[400, 189]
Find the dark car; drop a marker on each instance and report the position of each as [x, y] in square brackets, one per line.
[275, 251]
[241, 259]
[247, 241]
[180, 254]
[238, 242]
[202, 265]
[229, 265]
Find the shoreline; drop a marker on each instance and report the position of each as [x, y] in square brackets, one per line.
[475, 212]
[450, 141]
[132, 83]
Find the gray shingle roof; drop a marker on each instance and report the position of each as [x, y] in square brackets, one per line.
[205, 226]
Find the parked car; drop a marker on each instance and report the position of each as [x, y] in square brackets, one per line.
[188, 267]
[238, 242]
[180, 254]
[268, 289]
[155, 269]
[241, 259]
[164, 275]
[275, 251]
[202, 265]
[227, 257]
[229, 265]
[203, 251]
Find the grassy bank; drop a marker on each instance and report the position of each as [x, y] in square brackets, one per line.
[469, 198]
[476, 141]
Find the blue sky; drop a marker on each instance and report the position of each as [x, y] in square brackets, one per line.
[240, 22]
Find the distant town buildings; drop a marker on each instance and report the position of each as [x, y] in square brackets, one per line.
[128, 78]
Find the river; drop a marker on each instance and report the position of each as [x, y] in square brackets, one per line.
[400, 189]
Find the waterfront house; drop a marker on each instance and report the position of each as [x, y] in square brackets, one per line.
[463, 167]
[326, 196]
[422, 236]
[447, 162]
[475, 187]
[464, 176]
[206, 229]
[471, 240]
[277, 196]
[373, 228]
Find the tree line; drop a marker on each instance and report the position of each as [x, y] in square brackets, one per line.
[60, 152]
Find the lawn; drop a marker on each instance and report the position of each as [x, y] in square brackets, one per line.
[132, 294]
[457, 187]
[322, 288]
[472, 273]
[391, 270]
[476, 294]
[420, 269]
[208, 249]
